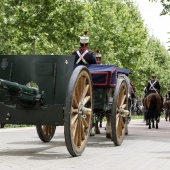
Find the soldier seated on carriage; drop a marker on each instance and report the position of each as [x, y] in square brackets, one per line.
[167, 97]
[98, 56]
[83, 55]
[153, 86]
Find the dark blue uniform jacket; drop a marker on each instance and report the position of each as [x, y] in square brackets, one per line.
[89, 57]
[151, 89]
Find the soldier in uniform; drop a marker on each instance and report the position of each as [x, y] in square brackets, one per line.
[83, 55]
[98, 57]
[153, 86]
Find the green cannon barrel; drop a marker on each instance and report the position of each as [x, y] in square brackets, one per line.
[15, 87]
[21, 94]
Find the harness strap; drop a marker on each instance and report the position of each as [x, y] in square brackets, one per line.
[152, 86]
[81, 57]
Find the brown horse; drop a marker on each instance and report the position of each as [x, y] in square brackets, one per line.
[152, 105]
[99, 115]
[167, 109]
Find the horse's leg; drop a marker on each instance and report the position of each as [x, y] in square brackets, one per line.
[145, 112]
[97, 130]
[92, 130]
[108, 127]
[166, 114]
[153, 123]
[100, 120]
[149, 121]
[157, 123]
[100, 125]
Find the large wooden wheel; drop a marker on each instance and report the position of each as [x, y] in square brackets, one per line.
[119, 112]
[45, 132]
[78, 111]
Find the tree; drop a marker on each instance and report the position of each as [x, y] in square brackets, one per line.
[114, 27]
[166, 6]
[166, 9]
[117, 29]
[40, 26]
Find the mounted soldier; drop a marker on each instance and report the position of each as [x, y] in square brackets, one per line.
[83, 55]
[153, 86]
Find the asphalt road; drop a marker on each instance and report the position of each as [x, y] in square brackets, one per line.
[142, 149]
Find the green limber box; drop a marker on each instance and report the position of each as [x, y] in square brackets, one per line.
[33, 88]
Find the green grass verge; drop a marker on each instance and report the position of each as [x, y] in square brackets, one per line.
[136, 117]
[133, 117]
[17, 126]
[141, 116]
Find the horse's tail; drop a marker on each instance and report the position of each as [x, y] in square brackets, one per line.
[153, 107]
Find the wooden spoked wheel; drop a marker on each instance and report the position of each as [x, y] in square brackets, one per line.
[45, 132]
[78, 111]
[119, 112]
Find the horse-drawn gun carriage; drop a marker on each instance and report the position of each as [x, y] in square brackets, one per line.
[48, 91]
[110, 88]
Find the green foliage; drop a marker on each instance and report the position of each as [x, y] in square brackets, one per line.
[114, 27]
[17, 126]
[165, 11]
[166, 6]
[156, 58]
[40, 27]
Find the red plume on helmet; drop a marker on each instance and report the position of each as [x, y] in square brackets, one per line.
[85, 32]
[97, 51]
